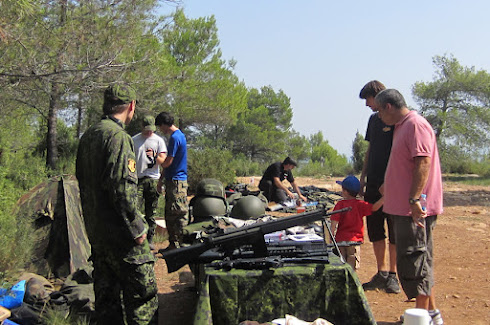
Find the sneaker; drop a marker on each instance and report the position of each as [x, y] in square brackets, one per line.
[378, 281]
[392, 285]
[436, 317]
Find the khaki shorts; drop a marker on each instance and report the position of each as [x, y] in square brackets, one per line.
[352, 255]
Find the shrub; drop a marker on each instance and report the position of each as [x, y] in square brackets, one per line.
[246, 167]
[19, 172]
[210, 163]
[315, 169]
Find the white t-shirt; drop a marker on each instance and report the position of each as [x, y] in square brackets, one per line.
[141, 144]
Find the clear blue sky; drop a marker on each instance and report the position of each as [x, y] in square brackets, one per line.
[321, 53]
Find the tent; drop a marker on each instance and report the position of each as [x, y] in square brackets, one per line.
[61, 245]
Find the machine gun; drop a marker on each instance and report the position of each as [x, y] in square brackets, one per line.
[249, 235]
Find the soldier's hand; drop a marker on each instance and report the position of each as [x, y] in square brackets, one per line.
[149, 153]
[140, 240]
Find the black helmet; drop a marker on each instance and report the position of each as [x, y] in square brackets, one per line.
[210, 187]
[208, 206]
[248, 207]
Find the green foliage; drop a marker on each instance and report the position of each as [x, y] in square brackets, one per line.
[210, 163]
[359, 149]
[316, 169]
[298, 146]
[456, 103]
[260, 132]
[201, 89]
[455, 161]
[67, 145]
[468, 179]
[15, 242]
[59, 317]
[331, 162]
[246, 167]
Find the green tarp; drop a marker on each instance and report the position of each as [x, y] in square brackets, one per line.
[61, 244]
[307, 291]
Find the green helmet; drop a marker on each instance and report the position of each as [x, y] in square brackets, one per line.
[207, 206]
[248, 207]
[210, 187]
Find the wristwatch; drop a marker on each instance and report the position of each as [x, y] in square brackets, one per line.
[413, 201]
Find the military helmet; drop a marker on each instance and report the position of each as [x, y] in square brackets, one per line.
[248, 207]
[207, 206]
[210, 187]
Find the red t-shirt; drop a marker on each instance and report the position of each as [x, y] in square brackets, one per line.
[351, 225]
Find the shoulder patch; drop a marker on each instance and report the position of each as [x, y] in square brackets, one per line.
[131, 165]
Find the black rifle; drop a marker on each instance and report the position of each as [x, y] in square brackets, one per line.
[249, 235]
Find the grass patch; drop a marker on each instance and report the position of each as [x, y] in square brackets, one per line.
[61, 317]
[159, 238]
[468, 179]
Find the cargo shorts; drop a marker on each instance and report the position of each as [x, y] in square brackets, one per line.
[176, 209]
[414, 255]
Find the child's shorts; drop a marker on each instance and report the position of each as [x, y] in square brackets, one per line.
[351, 253]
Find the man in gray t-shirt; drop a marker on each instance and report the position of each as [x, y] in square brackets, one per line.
[150, 151]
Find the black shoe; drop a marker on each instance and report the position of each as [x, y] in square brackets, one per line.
[169, 248]
[378, 281]
[392, 285]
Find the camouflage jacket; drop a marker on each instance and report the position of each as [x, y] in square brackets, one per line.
[106, 172]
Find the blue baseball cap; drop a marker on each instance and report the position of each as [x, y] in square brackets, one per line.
[351, 183]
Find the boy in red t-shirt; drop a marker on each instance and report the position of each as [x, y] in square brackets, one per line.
[348, 227]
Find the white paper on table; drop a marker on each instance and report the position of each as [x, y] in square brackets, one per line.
[305, 237]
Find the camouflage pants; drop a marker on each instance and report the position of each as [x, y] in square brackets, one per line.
[148, 198]
[176, 209]
[130, 282]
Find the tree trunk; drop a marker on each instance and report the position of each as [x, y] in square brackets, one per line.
[54, 100]
[79, 116]
[52, 143]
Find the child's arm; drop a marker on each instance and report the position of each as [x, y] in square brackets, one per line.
[378, 204]
[333, 226]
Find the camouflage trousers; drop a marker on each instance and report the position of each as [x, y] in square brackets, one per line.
[148, 199]
[176, 209]
[125, 289]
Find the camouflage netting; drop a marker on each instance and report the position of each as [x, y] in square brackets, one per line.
[61, 245]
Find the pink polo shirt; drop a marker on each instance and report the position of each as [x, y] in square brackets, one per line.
[413, 137]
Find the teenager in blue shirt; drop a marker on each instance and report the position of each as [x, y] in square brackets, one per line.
[174, 177]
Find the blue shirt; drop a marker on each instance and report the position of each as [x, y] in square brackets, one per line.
[177, 148]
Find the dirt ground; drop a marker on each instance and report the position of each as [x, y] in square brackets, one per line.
[462, 260]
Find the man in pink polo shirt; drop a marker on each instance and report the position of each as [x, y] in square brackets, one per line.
[413, 169]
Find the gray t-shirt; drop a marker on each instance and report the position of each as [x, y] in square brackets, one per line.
[141, 144]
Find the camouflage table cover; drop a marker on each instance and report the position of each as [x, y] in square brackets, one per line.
[307, 291]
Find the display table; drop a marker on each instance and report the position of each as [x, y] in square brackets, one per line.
[308, 291]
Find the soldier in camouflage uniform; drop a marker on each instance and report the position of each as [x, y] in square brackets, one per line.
[175, 174]
[124, 280]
